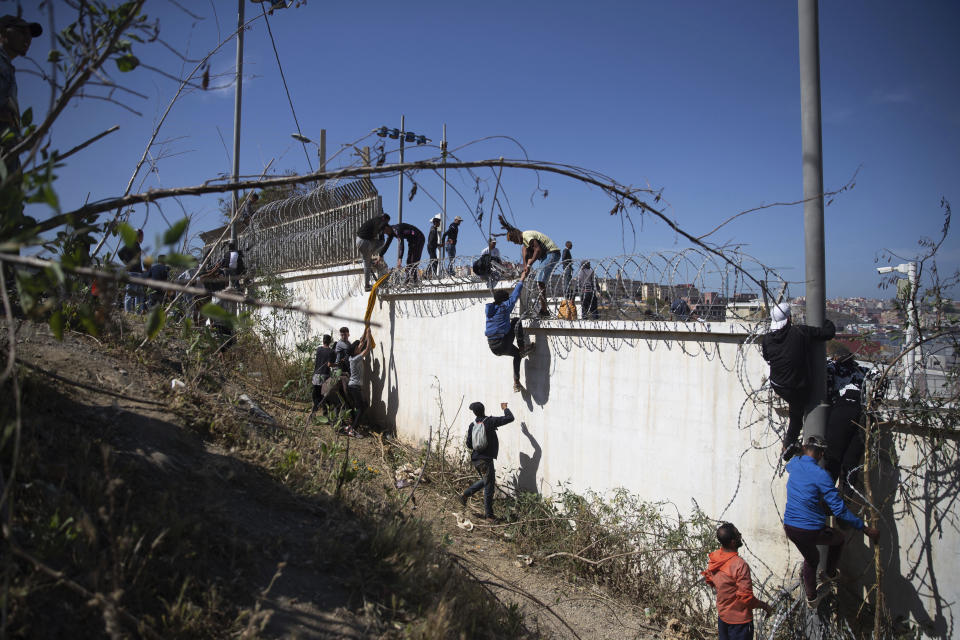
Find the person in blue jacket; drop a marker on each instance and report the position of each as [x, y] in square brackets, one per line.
[805, 522]
[501, 330]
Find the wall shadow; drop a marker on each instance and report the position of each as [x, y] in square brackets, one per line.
[537, 374]
[383, 382]
[525, 478]
[912, 592]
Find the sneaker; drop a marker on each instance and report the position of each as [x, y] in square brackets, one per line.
[815, 602]
[789, 451]
[463, 499]
[823, 579]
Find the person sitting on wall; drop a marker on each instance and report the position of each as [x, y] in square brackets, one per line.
[537, 246]
[786, 348]
[729, 576]
[680, 310]
[414, 239]
[805, 523]
[494, 263]
[501, 330]
[483, 457]
[359, 349]
[368, 242]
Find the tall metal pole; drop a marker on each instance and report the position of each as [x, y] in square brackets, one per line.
[322, 153]
[443, 216]
[236, 119]
[808, 19]
[403, 133]
[910, 362]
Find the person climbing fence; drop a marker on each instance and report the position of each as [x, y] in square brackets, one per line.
[805, 523]
[786, 348]
[412, 237]
[537, 246]
[368, 242]
[501, 331]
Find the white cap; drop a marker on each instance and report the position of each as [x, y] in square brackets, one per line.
[779, 316]
[436, 217]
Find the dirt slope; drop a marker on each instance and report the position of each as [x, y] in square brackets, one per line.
[275, 550]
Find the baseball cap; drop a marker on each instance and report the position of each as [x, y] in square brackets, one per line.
[12, 22]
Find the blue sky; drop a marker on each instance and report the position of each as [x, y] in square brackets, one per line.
[700, 99]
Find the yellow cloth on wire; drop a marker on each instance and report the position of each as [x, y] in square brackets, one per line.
[370, 300]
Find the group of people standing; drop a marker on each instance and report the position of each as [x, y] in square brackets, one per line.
[375, 236]
[338, 376]
[139, 297]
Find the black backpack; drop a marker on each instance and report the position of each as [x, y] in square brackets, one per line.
[481, 266]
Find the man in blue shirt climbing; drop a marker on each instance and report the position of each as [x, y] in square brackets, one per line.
[501, 330]
[805, 522]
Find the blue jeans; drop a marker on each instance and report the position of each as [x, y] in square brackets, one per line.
[742, 631]
[133, 300]
[487, 482]
[451, 254]
[549, 264]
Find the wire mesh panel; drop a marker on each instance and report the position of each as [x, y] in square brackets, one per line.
[305, 231]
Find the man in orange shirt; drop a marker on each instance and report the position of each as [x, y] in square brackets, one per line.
[729, 575]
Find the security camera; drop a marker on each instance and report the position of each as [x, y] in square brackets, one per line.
[885, 269]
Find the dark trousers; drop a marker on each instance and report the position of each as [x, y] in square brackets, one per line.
[414, 251]
[796, 400]
[503, 345]
[806, 541]
[743, 631]
[356, 401]
[589, 307]
[433, 267]
[487, 482]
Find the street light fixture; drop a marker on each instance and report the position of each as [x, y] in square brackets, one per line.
[908, 269]
[321, 147]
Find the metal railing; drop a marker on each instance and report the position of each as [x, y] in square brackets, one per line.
[305, 231]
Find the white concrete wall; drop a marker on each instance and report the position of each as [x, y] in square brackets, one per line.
[662, 411]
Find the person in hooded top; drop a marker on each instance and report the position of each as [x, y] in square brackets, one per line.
[786, 348]
[483, 459]
[729, 575]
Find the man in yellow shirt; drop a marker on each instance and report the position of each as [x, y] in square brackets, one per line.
[537, 246]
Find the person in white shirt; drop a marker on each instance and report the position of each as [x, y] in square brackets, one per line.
[496, 264]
